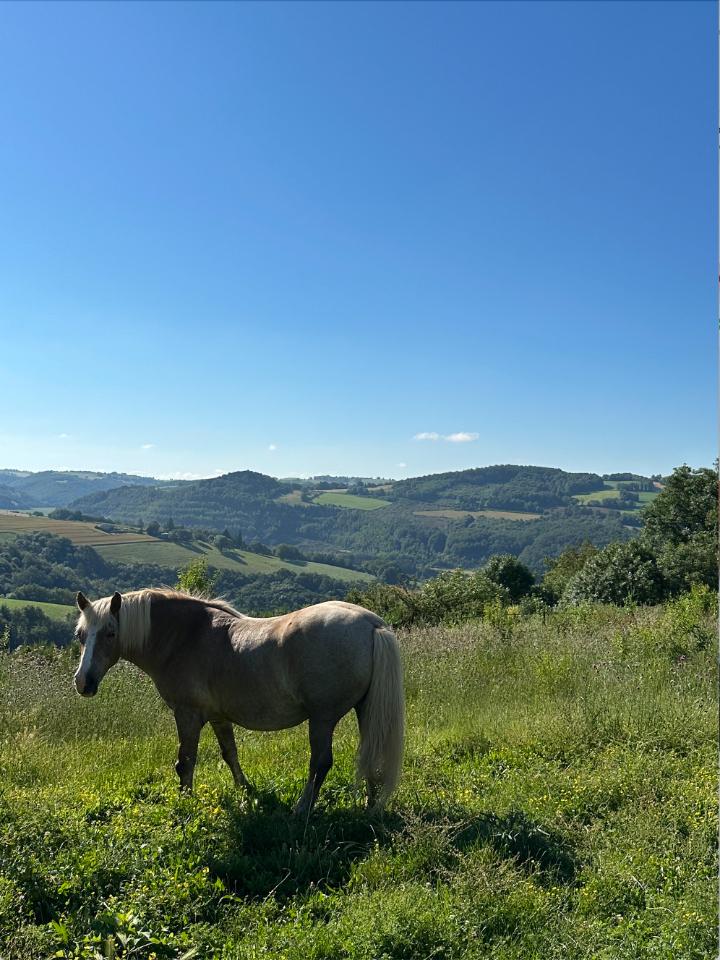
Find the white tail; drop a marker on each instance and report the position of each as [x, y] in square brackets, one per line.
[382, 719]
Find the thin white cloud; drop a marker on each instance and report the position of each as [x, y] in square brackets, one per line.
[272, 446]
[462, 437]
[147, 446]
[402, 465]
[63, 436]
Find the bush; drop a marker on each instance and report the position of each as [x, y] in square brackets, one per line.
[452, 597]
[508, 572]
[621, 573]
[194, 579]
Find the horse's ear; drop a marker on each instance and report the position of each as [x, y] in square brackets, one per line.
[82, 601]
[115, 604]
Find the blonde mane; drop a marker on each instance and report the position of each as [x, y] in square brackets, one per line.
[134, 625]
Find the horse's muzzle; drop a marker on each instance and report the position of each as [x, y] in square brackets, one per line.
[87, 687]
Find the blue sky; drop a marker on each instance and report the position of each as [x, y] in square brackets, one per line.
[297, 237]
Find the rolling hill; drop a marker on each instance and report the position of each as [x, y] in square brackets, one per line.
[441, 520]
[58, 488]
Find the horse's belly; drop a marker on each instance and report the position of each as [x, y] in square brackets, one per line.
[271, 719]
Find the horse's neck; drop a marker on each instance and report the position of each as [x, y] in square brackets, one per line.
[147, 656]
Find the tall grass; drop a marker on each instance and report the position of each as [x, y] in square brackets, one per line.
[559, 800]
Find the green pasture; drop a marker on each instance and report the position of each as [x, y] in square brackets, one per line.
[351, 501]
[597, 496]
[168, 554]
[559, 802]
[57, 611]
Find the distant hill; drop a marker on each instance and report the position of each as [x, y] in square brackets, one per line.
[418, 525]
[503, 487]
[12, 499]
[58, 488]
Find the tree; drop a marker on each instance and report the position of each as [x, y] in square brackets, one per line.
[194, 579]
[562, 569]
[153, 529]
[286, 551]
[508, 572]
[687, 506]
[681, 528]
[621, 573]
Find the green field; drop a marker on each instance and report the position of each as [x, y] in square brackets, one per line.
[559, 802]
[461, 514]
[57, 611]
[351, 501]
[597, 496]
[169, 554]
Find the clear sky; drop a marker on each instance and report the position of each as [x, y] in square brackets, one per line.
[298, 238]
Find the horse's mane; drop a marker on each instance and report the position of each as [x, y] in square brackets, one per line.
[135, 612]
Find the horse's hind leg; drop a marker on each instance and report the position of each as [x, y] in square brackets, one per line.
[189, 724]
[226, 738]
[321, 760]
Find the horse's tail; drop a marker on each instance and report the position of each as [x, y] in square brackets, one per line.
[381, 716]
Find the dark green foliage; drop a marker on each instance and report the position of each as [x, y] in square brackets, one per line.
[687, 505]
[681, 526]
[452, 597]
[505, 487]
[286, 551]
[621, 573]
[562, 569]
[508, 572]
[29, 625]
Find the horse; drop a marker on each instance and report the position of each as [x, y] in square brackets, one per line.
[212, 664]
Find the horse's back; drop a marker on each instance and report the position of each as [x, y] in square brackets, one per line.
[327, 651]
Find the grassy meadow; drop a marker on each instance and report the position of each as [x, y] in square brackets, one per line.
[56, 611]
[350, 501]
[559, 801]
[169, 554]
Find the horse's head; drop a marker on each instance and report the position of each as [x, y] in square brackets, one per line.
[97, 630]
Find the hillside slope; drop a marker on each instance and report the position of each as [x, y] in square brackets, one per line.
[451, 519]
[58, 488]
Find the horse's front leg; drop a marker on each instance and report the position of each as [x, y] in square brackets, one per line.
[226, 738]
[321, 760]
[189, 724]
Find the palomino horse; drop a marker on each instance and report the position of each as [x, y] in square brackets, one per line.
[211, 663]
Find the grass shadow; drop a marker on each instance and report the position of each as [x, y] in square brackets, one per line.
[516, 836]
[268, 852]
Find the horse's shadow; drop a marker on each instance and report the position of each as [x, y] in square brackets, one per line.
[268, 852]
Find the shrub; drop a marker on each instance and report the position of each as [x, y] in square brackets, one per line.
[508, 572]
[621, 573]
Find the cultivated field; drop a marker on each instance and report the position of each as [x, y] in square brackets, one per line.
[559, 801]
[459, 514]
[79, 532]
